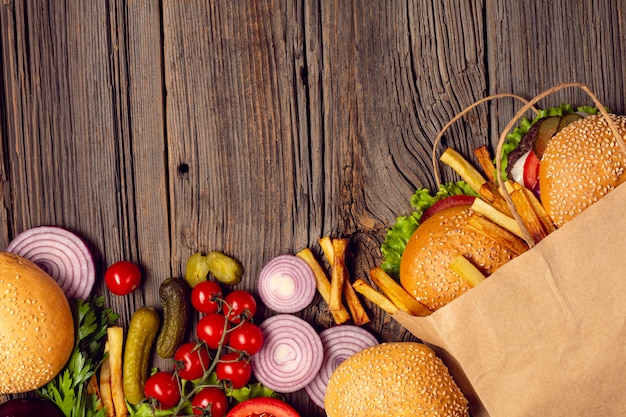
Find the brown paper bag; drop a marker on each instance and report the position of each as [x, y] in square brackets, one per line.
[546, 333]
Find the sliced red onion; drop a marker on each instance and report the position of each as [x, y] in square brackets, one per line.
[340, 342]
[62, 254]
[286, 284]
[291, 355]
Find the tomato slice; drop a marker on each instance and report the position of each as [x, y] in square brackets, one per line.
[531, 170]
[263, 407]
[454, 200]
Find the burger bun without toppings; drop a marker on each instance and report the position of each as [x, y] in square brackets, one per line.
[37, 326]
[394, 379]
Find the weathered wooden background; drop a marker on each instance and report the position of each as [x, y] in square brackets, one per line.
[155, 129]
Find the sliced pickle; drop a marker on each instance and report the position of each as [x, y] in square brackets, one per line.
[567, 119]
[547, 129]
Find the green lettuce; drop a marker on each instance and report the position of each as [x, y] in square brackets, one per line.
[398, 235]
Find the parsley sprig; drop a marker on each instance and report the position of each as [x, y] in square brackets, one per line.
[68, 390]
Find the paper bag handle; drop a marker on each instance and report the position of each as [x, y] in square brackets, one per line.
[520, 113]
[466, 110]
[528, 105]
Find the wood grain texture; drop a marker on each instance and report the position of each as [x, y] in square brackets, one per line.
[159, 129]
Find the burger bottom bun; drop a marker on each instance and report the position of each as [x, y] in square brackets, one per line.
[394, 379]
[37, 327]
[424, 267]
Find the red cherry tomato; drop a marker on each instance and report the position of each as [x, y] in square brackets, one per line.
[192, 360]
[232, 367]
[210, 329]
[239, 305]
[246, 337]
[203, 297]
[163, 387]
[122, 277]
[210, 398]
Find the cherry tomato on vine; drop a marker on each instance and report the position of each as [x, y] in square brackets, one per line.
[163, 387]
[192, 360]
[210, 329]
[232, 367]
[247, 337]
[237, 303]
[122, 278]
[202, 297]
[210, 398]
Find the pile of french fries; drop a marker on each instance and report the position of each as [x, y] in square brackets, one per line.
[391, 297]
[493, 205]
[108, 384]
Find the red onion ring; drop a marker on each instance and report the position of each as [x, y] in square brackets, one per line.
[340, 342]
[62, 254]
[286, 284]
[291, 355]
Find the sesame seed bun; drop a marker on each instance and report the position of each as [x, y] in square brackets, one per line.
[37, 327]
[424, 267]
[394, 379]
[580, 165]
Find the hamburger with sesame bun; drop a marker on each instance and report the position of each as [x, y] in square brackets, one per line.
[420, 248]
[394, 379]
[570, 159]
[37, 326]
[580, 165]
[425, 270]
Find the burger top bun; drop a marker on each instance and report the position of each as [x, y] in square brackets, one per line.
[424, 267]
[394, 379]
[580, 165]
[37, 326]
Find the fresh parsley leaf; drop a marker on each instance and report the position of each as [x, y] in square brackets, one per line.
[68, 389]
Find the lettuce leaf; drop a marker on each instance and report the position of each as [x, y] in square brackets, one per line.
[398, 235]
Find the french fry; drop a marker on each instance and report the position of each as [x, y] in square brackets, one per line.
[489, 192]
[397, 294]
[492, 213]
[115, 339]
[105, 384]
[507, 239]
[465, 169]
[323, 284]
[326, 244]
[485, 161]
[374, 296]
[467, 270]
[338, 273]
[94, 389]
[359, 315]
[540, 210]
[526, 211]
[331, 248]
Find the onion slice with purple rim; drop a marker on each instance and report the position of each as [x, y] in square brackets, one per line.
[291, 355]
[60, 253]
[286, 284]
[340, 342]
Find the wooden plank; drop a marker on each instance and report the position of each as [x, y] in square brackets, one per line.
[534, 47]
[157, 129]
